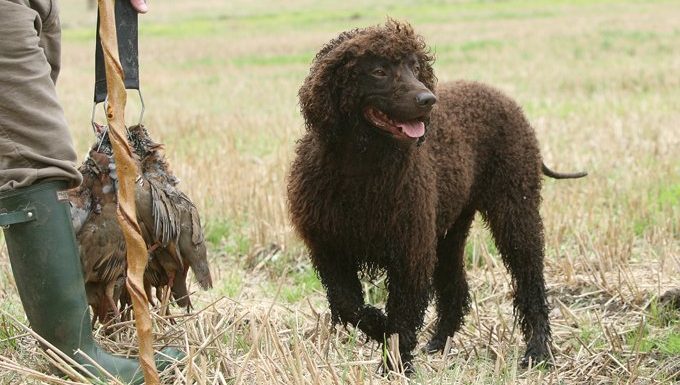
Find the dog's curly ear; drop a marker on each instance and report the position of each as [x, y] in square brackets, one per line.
[320, 93]
[425, 60]
[319, 97]
[317, 102]
[426, 75]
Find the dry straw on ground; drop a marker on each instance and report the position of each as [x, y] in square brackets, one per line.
[257, 341]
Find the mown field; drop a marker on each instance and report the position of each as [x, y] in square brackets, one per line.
[600, 82]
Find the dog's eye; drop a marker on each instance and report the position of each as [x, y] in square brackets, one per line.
[379, 72]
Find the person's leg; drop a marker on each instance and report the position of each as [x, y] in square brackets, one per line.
[46, 268]
[35, 142]
[37, 163]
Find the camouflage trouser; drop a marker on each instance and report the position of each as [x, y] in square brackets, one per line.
[35, 142]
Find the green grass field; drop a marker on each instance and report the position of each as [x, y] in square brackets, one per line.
[600, 82]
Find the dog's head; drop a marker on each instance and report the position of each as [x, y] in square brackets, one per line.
[367, 81]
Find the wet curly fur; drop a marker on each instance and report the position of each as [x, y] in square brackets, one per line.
[367, 192]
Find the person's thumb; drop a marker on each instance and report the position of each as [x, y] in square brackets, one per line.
[140, 5]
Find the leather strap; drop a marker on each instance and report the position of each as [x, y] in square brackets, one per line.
[128, 50]
[14, 217]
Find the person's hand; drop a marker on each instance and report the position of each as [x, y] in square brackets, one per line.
[139, 5]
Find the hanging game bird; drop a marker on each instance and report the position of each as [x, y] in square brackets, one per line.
[102, 247]
[169, 221]
[172, 222]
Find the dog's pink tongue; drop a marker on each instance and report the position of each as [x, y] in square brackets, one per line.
[413, 129]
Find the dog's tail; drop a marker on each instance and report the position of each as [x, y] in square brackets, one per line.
[560, 175]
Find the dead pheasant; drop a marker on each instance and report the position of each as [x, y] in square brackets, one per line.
[169, 221]
[169, 218]
[102, 246]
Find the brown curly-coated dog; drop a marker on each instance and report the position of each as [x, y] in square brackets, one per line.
[368, 193]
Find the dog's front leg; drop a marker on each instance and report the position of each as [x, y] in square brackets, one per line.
[346, 297]
[408, 288]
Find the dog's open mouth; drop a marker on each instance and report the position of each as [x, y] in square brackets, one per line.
[412, 129]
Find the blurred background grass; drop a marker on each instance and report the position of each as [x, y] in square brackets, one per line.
[598, 80]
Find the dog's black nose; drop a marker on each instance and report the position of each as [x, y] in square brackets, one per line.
[425, 99]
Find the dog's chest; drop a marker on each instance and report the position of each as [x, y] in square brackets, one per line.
[383, 215]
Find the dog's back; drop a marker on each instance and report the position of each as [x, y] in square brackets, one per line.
[479, 139]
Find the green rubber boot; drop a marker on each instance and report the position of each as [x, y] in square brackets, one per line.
[46, 265]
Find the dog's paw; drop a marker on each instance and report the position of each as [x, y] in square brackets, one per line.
[405, 366]
[671, 298]
[435, 345]
[373, 322]
[536, 357]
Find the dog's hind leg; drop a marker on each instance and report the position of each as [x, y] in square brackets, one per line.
[346, 299]
[517, 228]
[450, 286]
